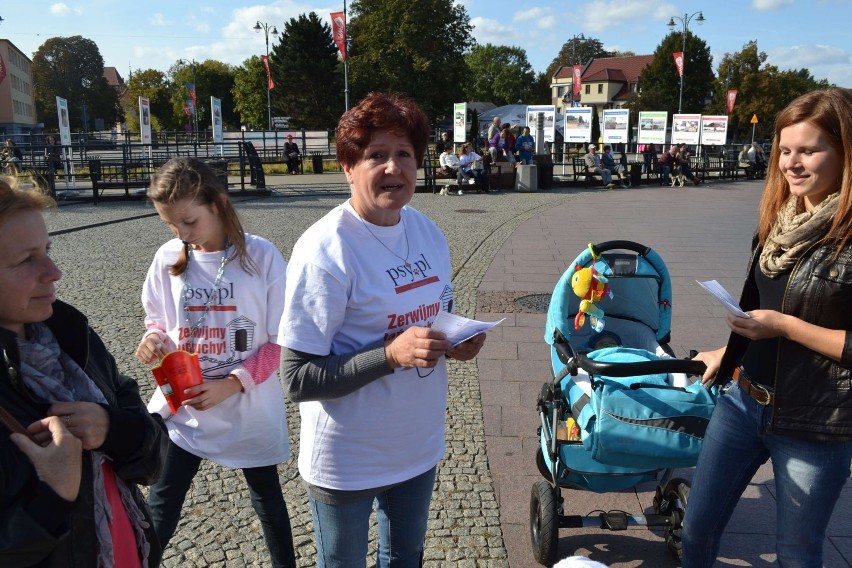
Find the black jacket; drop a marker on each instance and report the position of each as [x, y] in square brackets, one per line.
[37, 527]
[813, 394]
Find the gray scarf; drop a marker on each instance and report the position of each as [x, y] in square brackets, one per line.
[54, 376]
[794, 233]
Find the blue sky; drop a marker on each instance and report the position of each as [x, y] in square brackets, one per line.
[154, 34]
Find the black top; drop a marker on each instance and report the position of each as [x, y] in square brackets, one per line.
[761, 356]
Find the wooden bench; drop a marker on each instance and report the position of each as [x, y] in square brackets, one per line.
[581, 171]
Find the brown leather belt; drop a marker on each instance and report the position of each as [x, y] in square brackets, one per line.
[756, 391]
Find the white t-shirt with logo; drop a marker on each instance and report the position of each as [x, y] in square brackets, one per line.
[345, 291]
[248, 429]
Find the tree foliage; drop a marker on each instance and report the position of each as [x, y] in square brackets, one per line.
[72, 68]
[411, 48]
[762, 90]
[576, 51]
[308, 74]
[500, 74]
[660, 86]
[153, 85]
[211, 78]
[250, 93]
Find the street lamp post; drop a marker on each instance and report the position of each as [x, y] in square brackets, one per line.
[685, 21]
[267, 29]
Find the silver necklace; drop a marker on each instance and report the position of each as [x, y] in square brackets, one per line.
[187, 290]
[407, 247]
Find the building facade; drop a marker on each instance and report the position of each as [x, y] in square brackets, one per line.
[17, 98]
[606, 82]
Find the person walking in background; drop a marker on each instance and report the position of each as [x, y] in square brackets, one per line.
[218, 291]
[790, 360]
[92, 439]
[52, 152]
[367, 262]
[525, 145]
[292, 154]
[593, 165]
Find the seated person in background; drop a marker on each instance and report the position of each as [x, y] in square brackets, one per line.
[471, 164]
[608, 162]
[451, 166]
[292, 155]
[758, 159]
[667, 162]
[593, 164]
[444, 143]
[685, 167]
[745, 162]
[492, 130]
[503, 143]
[525, 145]
[12, 157]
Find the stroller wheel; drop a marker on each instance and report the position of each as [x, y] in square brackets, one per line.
[544, 522]
[672, 501]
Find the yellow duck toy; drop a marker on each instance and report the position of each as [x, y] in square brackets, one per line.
[591, 286]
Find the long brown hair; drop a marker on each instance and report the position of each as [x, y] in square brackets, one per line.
[190, 178]
[830, 110]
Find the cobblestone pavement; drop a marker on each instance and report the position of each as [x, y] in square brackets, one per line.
[104, 267]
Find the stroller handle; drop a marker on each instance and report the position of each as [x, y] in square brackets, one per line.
[687, 366]
[622, 245]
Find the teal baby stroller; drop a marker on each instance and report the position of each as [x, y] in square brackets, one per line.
[621, 409]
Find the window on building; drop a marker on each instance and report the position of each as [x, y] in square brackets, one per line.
[560, 91]
[588, 89]
[600, 88]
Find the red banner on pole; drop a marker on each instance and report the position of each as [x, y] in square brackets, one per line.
[678, 58]
[265, 60]
[578, 79]
[338, 30]
[730, 99]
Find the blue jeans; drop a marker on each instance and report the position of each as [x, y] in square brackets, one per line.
[341, 530]
[166, 498]
[809, 476]
[665, 170]
[479, 178]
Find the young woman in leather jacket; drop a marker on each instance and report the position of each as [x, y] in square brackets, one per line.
[790, 362]
[69, 497]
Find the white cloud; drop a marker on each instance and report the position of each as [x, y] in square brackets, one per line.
[159, 20]
[62, 9]
[203, 27]
[767, 5]
[486, 30]
[542, 18]
[807, 56]
[601, 15]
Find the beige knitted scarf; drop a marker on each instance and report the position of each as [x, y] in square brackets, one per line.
[793, 233]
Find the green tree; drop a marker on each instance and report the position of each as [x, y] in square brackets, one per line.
[250, 93]
[211, 78]
[153, 85]
[762, 90]
[576, 51]
[308, 74]
[660, 88]
[411, 48]
[72, 68]
[499, 74]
